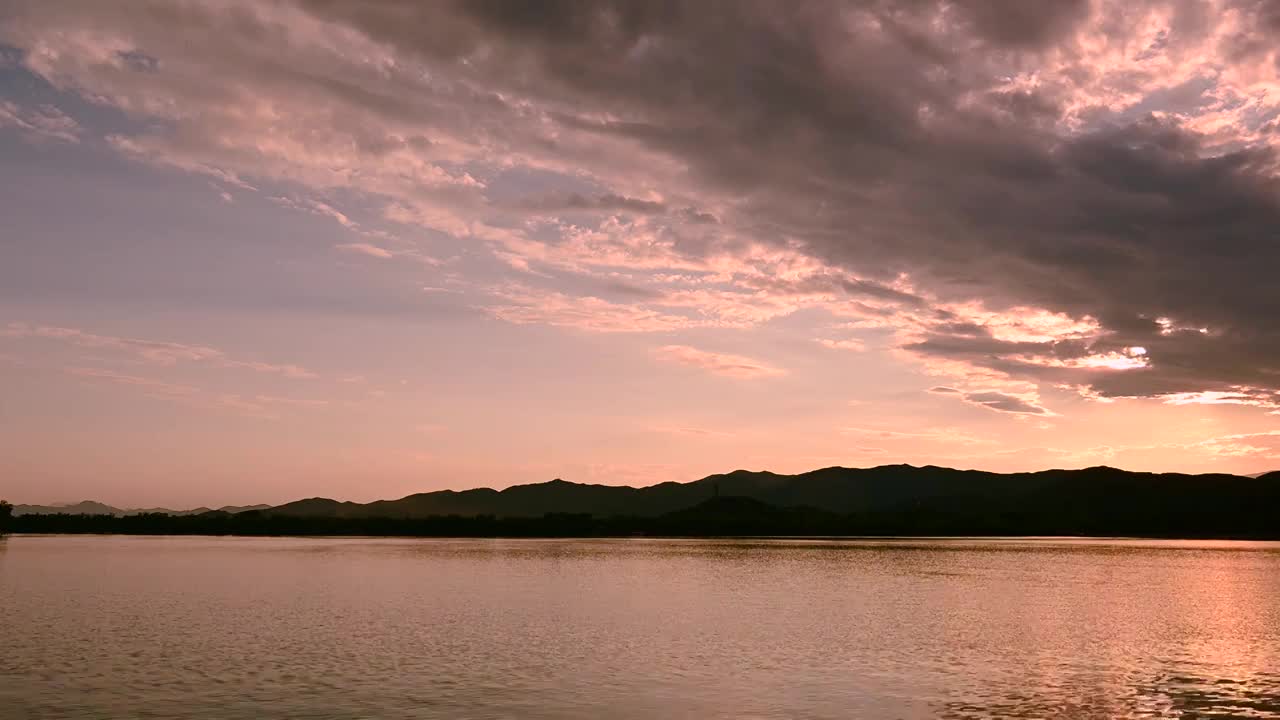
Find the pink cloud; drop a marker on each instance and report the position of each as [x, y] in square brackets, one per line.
[366, 249]
[946, 435]
[43, 123]
[852, 345]
[293, 402]
[523, 305]
[154, 351]
[734, 366]
[692, 431]
[242, 113]
[189, 395]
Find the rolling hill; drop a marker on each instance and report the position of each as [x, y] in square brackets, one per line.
[886, 500]
[90, 507]
[1091, 498]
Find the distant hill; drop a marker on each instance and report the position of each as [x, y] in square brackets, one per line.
[90, 507]
[232, 509]
[887, 500]
[1097, 499]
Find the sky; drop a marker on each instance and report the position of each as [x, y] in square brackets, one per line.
[257, 251]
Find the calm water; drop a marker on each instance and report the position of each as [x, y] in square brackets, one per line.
[114, 627]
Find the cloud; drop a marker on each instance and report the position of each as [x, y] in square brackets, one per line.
[45, 122]
[153, 351]
[150, 384]
[853, 345]
[366, 249]
[941, 435]
[258, 406]
[189, 395]
[574, 202]
[523, 305]
[734, 366]
[1019, 190]
[692, 431]
[1260, 445]
[289, 401]
[1002, 402]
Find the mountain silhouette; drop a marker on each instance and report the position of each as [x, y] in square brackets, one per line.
[887, 500]
[87, 507]
[888, 488]
[91, 507]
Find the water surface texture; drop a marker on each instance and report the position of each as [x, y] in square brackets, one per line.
[106, 627]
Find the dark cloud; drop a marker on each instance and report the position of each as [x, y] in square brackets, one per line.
[1002, 402]
[890, 140]
[139, 61]
[628, 290]
[880, 136]
[694, 217]
[881, 292]
[607, 202]
[1021, 23]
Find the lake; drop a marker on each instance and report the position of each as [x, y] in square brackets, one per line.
[200, 627]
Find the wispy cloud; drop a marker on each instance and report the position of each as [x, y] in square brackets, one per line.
[734, 366]
[692, 431]
[290, 401]
[257, 406]
[366, 249]
[189, 395]
[948, 435]
[828, 218]
[1258, 445]
[850, 344]
[1005, 403]
[45, 122]
[155, 352]
[1017, 404]
[522, 305]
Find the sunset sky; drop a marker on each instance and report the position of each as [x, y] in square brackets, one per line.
[256, 251]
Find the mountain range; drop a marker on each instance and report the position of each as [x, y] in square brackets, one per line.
[886, 500]
[835, 489]
[90, 507]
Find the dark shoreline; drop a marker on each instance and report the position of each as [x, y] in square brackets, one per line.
[697, 523]
[885, 501]
[806, 538]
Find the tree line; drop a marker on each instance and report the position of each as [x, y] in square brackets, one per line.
[715, 518]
